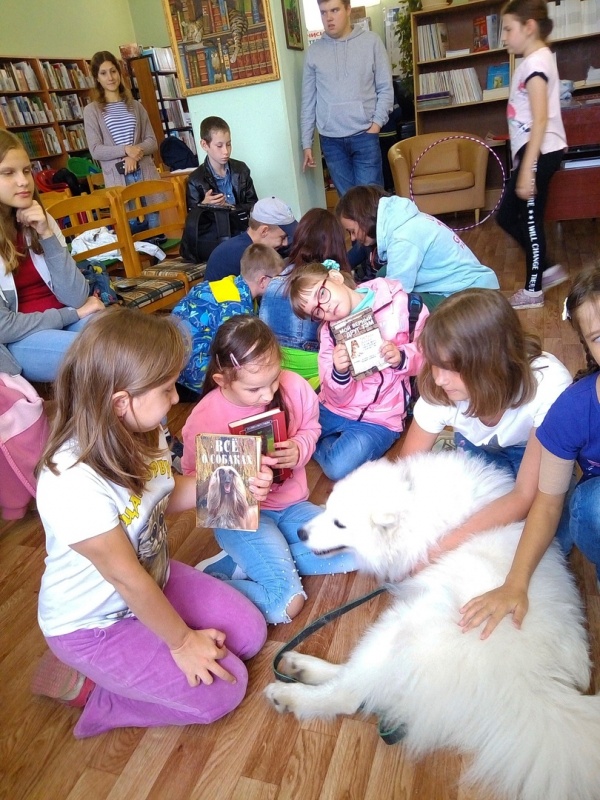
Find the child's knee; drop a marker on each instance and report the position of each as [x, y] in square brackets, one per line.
[285, 611]
[295, 606]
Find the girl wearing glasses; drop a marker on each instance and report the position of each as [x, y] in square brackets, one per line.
[360, 419]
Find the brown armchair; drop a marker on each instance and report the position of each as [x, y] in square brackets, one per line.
[449, 177]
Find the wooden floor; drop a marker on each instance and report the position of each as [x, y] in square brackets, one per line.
[254, 754]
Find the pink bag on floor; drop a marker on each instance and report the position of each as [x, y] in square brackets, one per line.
[23, 435]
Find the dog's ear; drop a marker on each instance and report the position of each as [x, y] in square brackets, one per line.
[385, 521]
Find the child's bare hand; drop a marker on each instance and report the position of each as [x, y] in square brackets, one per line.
[214, 199]
[261, 482]
[34, 217]
[341, 358]
[494, 606]
[391, 353]
[525, 187]
[287, 454]
[199, 655]
[131, 165]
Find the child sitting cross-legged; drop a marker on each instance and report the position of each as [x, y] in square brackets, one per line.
[244, 377]
[210, 303]
[360, 419]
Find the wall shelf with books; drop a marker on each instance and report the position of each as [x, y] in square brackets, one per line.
[37, 96]
[156, 84]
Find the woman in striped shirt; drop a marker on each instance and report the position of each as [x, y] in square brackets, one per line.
[118, 129]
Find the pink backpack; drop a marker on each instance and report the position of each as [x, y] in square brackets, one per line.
[23, 435]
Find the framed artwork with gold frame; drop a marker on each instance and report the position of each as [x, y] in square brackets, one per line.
[221, 44]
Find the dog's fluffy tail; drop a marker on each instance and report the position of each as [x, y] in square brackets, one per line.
[549, 751]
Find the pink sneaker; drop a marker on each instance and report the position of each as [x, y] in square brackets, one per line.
[523, 299]
[553, 276]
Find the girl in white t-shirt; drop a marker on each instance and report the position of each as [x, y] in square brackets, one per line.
[537, 142]
[489, 381]
[136, 639]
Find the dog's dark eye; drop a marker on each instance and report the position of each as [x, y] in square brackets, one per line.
[338, 524]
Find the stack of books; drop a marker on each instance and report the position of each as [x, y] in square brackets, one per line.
[433, 100]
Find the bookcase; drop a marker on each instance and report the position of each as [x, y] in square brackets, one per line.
[454, 55]
[42, 101]
[155, 83]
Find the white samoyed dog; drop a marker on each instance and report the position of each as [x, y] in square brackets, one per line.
[514, 700]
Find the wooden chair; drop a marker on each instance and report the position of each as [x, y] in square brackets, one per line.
[78, 214]
[168, 198]
[95, 181]
[49, 198]
[449, 177]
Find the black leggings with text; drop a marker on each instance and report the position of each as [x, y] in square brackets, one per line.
[524, 219]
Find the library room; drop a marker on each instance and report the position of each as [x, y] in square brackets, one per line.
[240, 239]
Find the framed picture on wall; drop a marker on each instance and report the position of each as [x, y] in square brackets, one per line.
[221, 44]
[293, 24]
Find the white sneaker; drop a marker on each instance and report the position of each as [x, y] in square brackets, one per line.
[553, 276]
[524, 299]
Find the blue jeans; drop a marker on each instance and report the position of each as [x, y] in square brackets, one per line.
[40, 354]
[580, 521]
[353, 160]
[152, 219]
[345, 444]
[273, 558]
[508, 458]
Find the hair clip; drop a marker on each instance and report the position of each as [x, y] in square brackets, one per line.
[329, 263]
[565, 312]
[234, 361]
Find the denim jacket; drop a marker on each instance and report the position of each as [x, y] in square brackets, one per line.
[276, 311]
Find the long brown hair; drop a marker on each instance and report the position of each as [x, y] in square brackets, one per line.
[318, 236]
[360, 205]
[537, 10]
[119, 350]
[242, 340]
[478, 334]
[586, 286]
[99, 94]
[9, 252]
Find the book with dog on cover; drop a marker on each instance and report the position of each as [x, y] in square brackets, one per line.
[270, 427]
[362, 337]
[224, 466]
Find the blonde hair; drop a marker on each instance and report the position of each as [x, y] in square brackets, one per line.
[119, 350]
[9, 226]
[258, 260]
[303, 279]
[478, 334]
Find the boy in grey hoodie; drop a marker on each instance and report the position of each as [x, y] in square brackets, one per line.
[347, 94]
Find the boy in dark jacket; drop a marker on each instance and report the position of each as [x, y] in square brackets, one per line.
[220, 180]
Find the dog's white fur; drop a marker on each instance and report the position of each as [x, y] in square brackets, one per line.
[513, 700]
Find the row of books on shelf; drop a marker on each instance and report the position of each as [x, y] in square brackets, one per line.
[162, 58]
[66, 75]
[432, 39]
[73, 137]
[574, 17]
[24, 111]
[169, 86]
[174, 115]
[68, 106]
[208, 64]
[18, 76]
[486, 32]
[461, 84]
[40, 142]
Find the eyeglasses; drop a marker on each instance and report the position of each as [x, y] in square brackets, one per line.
[323, 296]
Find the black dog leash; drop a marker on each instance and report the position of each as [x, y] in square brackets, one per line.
[391, 736]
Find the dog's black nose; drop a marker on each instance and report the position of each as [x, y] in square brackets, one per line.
[302, 535]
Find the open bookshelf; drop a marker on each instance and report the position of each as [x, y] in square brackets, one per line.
[42, 101]
[155, 83]
[450, 39]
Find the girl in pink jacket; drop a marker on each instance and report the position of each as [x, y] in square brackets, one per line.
[360, 418]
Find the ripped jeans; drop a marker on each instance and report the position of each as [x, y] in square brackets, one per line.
[273, 558]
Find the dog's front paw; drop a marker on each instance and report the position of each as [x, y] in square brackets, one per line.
[307, 669]
[281, 696]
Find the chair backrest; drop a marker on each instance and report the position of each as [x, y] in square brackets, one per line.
[87, 212]
[95, 181]
[49, 198]
[163, 196]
